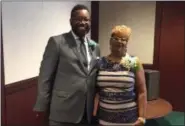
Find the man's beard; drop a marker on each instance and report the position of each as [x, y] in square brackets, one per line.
[81, 33]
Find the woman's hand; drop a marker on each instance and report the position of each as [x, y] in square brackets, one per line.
[138, 123]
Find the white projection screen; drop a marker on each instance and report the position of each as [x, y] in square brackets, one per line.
[27, 27]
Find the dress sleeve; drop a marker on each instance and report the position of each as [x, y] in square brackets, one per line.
[98, 66]
[137, 64]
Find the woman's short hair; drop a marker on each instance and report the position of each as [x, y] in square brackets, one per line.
[121, 31]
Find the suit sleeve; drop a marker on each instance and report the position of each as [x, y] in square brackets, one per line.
[98, 65]
[46, 75]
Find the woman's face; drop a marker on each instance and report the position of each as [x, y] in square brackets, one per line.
[118, 46]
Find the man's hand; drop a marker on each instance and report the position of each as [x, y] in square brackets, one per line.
[41, 117]
[138, 123]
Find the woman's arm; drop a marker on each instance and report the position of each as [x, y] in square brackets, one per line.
[141, 90]
[96, 102]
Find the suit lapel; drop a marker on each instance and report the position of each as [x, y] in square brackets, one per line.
[72, 42]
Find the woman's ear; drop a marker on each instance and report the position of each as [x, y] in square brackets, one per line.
[110, 41]
[110, 44]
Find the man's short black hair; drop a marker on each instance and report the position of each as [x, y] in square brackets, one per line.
[78, 7]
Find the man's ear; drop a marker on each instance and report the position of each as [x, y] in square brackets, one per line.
[70, 20]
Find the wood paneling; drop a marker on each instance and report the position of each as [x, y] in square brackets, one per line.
[95, 20]
[171, 54]
[158, 20]
[20, 85]
[3, 102]
[20, 99]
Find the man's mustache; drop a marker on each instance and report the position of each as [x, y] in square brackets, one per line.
[82, 25]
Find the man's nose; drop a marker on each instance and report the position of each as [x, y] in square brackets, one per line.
[82, 22]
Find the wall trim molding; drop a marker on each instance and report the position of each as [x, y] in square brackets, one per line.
[32, 82]
[20, 85]
[157, 34]
[148, 66]
[3, 100]
[95, 20]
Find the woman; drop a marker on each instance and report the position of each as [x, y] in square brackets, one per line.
[121, 97]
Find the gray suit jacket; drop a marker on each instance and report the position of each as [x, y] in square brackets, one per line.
[64, 82]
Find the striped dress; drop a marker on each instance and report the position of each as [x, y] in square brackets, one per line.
[116, 88]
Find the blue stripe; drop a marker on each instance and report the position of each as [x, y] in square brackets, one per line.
[117, 96]
[128, 116]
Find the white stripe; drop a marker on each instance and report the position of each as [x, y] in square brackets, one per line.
[117, 90]
[119, 106]
[112, 78]
[124, 110]
[102, 122]
[115, 84]
[110, 101]
[116, 73]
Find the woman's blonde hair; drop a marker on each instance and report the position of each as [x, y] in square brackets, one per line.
[121, 31]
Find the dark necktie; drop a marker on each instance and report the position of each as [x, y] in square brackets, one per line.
[83, 51]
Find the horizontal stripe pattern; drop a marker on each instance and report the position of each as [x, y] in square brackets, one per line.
[117, 105]
[124, 79]
[117, 73]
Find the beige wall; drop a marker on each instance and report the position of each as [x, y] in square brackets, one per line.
[140, 16]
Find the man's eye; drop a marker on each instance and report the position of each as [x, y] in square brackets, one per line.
[82, 19]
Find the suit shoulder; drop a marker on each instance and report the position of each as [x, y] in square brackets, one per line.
[58, 38]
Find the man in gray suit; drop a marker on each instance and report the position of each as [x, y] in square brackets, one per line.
[67, 74]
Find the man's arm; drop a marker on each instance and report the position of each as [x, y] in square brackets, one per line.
[47, 74]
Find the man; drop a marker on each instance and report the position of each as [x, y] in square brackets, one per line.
[67, 74]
